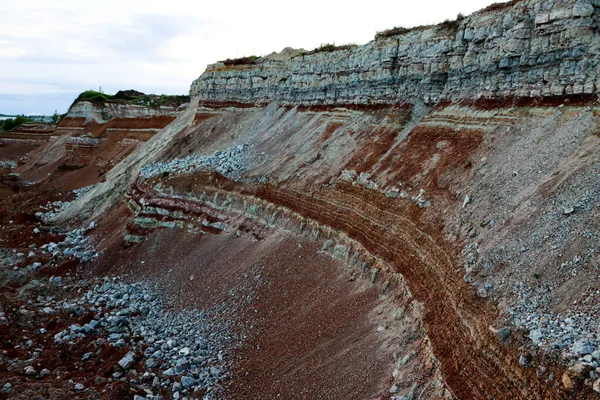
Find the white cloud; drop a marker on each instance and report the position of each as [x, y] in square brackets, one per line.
[52, 50]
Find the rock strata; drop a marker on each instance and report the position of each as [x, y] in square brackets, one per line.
[522, 49]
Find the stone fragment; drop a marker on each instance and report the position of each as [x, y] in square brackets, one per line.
[181, 365]
[127, 361]
[7, 388]
[568, 210]
[504, 333]
[48, 310]
[151, 363]
[536, 336]
[187, 382]
[582, 348]
[29, 370]
[596, 386]
[176, 387]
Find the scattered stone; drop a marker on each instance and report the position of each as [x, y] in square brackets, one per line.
[466, 201]
[582, 348]
[29, 370]
[127, 361]
[524, 360]
[568, 210]
[187, 382]
[596, 386]
[177, 387]
[7, 388]
[504, 334]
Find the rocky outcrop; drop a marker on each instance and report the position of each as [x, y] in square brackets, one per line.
[518, 49]
[109, 110]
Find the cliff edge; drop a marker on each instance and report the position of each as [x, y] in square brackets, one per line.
[515, 49]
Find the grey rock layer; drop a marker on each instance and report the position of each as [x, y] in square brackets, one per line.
[530, 48]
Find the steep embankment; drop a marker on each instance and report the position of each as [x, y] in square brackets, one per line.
[413, 203]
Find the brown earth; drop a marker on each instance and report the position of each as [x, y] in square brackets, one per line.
[314, 316]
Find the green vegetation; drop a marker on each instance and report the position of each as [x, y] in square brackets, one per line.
[94, 97]
[56, 117]
[11, 123]
[452, 25]
[241, 61]
[397, 30]
[536, 276]
[328, 48]
[162, 100]
[447, 25]
[131, 97]
[106, 116]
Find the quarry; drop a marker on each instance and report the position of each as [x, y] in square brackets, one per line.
[413, 218]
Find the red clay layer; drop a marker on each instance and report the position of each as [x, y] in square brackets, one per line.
[474, 363]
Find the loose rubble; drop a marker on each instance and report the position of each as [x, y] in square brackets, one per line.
[161, 351]
[228, 163]
[183, 351]
[8, 164]
[52, 209]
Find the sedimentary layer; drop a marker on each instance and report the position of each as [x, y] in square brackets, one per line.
[516, 49]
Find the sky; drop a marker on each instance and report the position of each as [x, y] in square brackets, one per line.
[50, 51]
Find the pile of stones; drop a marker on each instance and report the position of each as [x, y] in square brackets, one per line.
[182, 352]
[228, 163]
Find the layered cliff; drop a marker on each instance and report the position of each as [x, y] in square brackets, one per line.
[524, 48]
[376, 241]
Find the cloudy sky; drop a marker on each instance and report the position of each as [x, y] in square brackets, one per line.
[50, 51]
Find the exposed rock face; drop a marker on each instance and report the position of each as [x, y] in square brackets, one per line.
[520, 49]
[88, 110]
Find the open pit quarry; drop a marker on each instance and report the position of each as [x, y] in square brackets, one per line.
[414, 218]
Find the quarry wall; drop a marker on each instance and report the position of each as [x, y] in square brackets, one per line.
[515, 49]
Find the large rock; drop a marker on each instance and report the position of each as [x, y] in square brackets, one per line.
[127, 361]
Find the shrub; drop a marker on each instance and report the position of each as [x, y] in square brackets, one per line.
[11, 123]
[132, 97]
[328, 48]
[241, 61]
[452, 25]
[397, 30]
[94, 97]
